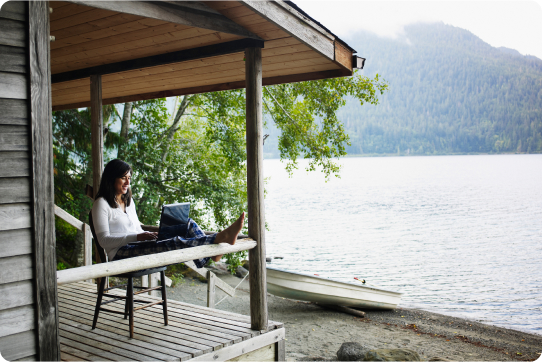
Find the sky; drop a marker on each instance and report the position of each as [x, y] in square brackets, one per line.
[513, 24]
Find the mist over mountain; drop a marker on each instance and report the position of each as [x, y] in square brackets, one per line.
[449, 92]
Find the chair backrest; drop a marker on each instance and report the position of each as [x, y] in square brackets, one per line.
[101, 251]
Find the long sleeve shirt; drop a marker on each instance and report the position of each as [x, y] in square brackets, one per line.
[113, 227]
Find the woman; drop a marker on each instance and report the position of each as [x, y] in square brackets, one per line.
[116, 223]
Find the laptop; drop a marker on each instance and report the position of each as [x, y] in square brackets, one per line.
[172, 215]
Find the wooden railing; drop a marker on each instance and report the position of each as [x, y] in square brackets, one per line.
[149, 261]
[87, 234]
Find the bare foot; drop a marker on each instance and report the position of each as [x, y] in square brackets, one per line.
[229, 235]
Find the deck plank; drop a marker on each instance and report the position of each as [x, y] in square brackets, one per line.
[155, 332]
[69, 357]
[73, 342]
[91, 288]
[139, 339]
[192, 332]
[112, 339]
[159, 327]
[82, 355]
[220, 335]
[201, 319]
[192, 307]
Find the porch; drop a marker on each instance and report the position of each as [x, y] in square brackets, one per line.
[193, 332]
[55, 54]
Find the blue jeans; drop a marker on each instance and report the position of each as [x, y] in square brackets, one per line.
[170, 238]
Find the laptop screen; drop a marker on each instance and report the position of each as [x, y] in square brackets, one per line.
[174, 214]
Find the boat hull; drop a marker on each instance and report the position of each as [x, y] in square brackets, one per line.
[331, 292]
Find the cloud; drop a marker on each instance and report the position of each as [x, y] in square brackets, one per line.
[512, 24]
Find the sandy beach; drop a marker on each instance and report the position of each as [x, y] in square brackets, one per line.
[314, 333]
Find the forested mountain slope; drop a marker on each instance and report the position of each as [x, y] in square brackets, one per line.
[449, 92]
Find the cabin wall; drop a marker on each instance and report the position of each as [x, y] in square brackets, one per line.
[24, 121]
[17, 302]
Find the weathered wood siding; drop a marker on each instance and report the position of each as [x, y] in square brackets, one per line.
[26, 232]
[17, 301]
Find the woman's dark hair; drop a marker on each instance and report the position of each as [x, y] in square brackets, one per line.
[113, 170]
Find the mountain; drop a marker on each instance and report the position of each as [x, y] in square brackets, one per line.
[449, 92]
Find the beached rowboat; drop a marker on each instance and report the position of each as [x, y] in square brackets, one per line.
[328, 292]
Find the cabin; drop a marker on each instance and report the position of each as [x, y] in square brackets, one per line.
[67, 54]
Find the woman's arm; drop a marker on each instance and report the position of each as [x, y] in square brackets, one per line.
[142, 234]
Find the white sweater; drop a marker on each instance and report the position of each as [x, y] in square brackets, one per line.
[113, 227]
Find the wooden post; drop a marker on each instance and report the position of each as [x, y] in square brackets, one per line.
[145, 282]
[96, 128]
[87, 236]
[280, 351]
[46, 304]
[153, 281]
[97, 141]
[256, 211]
[211, 278]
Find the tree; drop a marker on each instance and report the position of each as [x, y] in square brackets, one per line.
[72, 172]
[198, 154]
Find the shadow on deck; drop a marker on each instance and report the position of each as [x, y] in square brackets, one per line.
[194, 332]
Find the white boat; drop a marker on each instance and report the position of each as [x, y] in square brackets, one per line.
[328, 292]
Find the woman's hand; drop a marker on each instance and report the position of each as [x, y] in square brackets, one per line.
[147, 236]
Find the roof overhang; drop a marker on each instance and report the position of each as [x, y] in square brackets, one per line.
[146, 50]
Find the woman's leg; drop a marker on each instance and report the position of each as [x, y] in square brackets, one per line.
[193, 236]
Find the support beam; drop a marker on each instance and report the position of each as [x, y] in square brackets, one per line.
[219, 283]
[295, 24]
[211, 290]
[207, 51]
[96, 127]
[211, 88]
[200, 16]
[256, 210]
[46, 308]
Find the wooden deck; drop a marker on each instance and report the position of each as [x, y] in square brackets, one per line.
[193, 331]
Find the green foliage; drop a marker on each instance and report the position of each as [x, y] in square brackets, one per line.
[176, 279]
[176, 273]
[198, 154]
[449, 93]
[72, 172]
[196, 168]
[305, 113]
[235, 260]
[60, 266]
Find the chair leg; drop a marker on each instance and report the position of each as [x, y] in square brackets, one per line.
[98, 302]
[130, 300]
[164, 295]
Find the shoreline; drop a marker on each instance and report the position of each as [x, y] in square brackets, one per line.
[377, 155]
[315, 333]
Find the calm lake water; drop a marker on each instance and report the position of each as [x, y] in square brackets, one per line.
[458, 235]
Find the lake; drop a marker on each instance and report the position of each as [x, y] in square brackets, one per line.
[458, 235]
